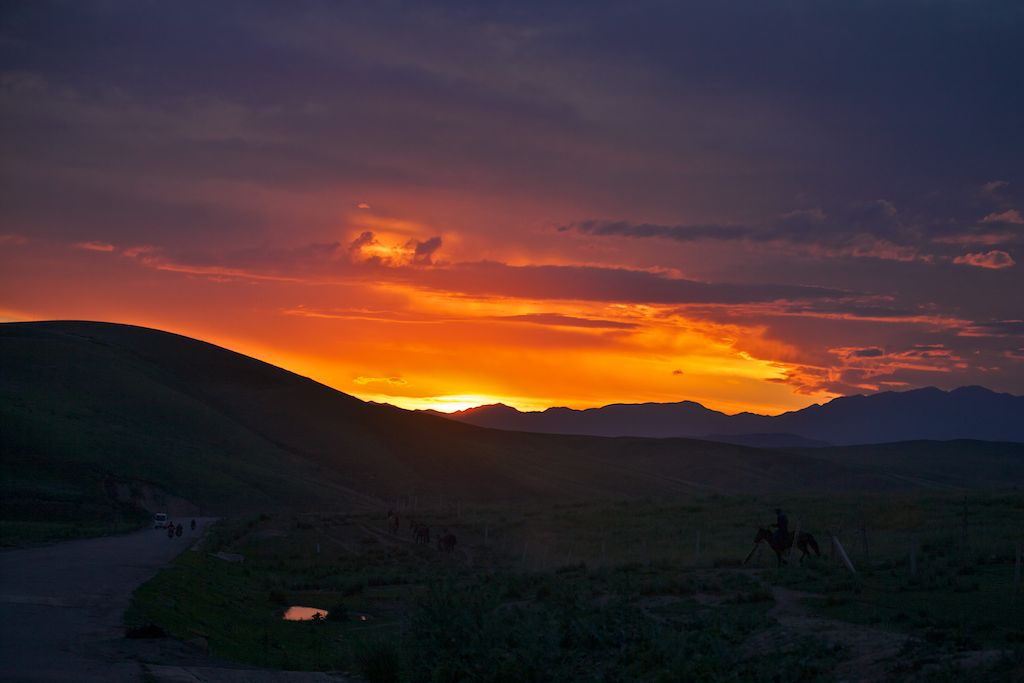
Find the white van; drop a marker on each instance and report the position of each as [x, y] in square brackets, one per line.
[160, 521]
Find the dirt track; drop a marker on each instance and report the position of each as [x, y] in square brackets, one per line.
[61, 605]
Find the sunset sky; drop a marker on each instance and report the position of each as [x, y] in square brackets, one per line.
[752, 205]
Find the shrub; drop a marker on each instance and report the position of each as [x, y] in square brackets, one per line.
[378, 660]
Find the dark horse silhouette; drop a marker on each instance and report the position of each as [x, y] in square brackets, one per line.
[781, 545]
[446, 542]
[421, 533]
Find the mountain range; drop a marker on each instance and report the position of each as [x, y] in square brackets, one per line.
[965, 413]
[98, 416]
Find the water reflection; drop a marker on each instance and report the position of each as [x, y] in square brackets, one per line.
[297, 613]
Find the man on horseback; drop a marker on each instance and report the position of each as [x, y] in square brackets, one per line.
[782, 525]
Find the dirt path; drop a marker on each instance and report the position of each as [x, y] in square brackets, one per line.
[61, 610]
[60, 603]
[870, 651]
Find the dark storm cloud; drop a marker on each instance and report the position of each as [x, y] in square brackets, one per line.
[682, 104]
[559, 320]
[423, 251]
[589, 283]
[807, 134]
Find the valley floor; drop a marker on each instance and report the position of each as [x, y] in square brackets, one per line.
[612, 591]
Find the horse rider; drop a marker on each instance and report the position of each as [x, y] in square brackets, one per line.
[782, 526]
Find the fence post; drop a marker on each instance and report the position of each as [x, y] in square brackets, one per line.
[1016, 573]
[842, 553]
[796, 538]
[864, 542]
[913, 559]
[963, 527]
[696, 547]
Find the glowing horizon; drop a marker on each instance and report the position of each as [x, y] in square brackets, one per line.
[475, 208]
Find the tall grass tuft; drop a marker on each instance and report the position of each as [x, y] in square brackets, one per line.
[378, 659]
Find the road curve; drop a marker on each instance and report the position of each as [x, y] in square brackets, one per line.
[60, 604]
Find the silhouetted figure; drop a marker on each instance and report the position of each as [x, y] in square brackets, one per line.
[170, 530]
[782, 527]
[178, 530]
[421, 534]
[193, 525]
[446, 541]
[393, 522]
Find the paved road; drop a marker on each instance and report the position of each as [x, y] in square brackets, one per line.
[60, 605]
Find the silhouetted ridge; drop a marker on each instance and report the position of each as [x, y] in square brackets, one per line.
[966, 413]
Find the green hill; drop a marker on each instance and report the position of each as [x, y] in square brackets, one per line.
[97, 418]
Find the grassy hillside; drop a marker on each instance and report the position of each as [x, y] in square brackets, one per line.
[84, 406]
[934, 464]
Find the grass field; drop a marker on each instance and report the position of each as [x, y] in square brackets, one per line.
[614, 591]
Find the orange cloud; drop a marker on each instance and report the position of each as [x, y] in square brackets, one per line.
[94, 246]
[994, 260]
[1009, 216]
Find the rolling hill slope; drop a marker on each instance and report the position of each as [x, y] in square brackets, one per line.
[87, 409]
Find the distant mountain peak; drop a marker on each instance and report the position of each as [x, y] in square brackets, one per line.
[970, 412]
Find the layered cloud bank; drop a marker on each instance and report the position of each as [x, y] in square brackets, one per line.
[542, 205]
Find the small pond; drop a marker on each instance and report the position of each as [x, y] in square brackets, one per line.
[298, 613]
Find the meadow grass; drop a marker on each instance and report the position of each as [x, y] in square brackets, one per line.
[602, 591]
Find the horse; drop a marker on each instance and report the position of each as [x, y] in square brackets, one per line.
[446, 542]
[421, 533]
[804, 542]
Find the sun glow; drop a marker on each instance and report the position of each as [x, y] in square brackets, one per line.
[454, 402]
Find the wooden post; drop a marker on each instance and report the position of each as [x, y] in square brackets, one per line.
[604, 551]
[485, 535]
[696, 547]
[963, 527]
[525, 545]
[1016, 572]
[842, 553]
[913, 559]
[796, 537]
[864, 541]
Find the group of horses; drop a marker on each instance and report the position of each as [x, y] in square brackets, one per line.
[779, 543]
[421, 532]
